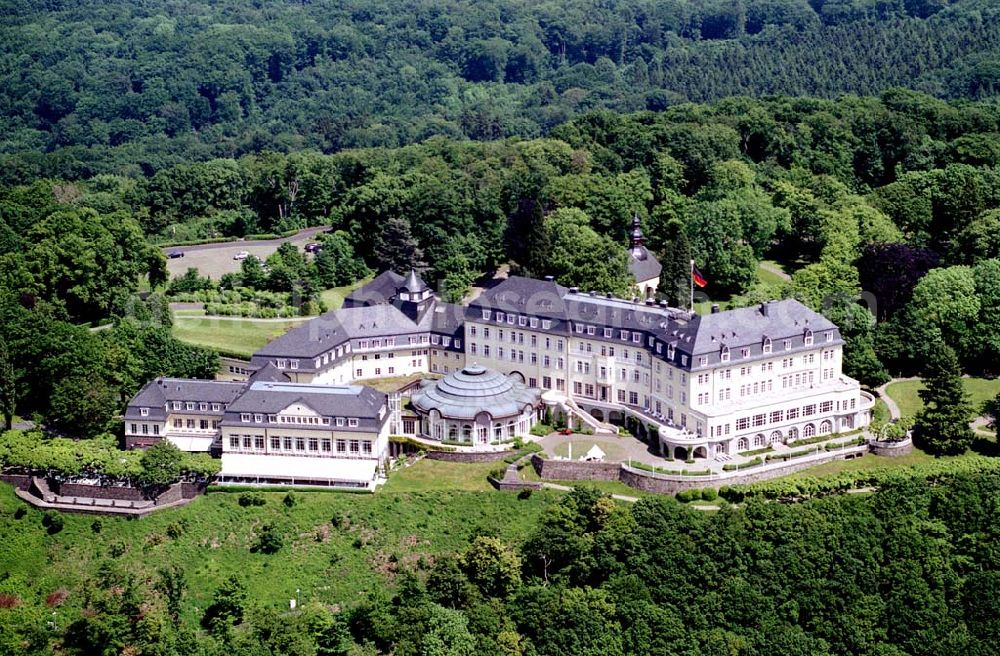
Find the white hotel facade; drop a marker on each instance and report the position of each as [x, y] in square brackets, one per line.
[699, 386]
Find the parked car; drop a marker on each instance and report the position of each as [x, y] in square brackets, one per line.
[242, 255]
[173, 255]
[313, 247]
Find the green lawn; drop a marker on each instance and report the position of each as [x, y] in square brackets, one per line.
[905, 395]
[237, 336]
[426, 475]
[212, 538]
[334, 297]
[769, 277]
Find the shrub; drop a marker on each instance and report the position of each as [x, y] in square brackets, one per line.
[56, 598]
[247, 499]
[269, 540]
[9, 600]
[52, 521]
[290, 500]
[20, 512]
[176, 529]
[524, 494]
[96, 526]
[709, 494]
[685, 496]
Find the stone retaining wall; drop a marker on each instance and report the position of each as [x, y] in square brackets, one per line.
[97, 491]
[892, 449]
[20, 481]
[575, 470]
[570, 470]
[459, 456]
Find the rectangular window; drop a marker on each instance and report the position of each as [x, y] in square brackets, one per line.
[287, 443]
[144, 412]
[759, 420]
[313, 444]
[366, 447]
[341, 446]
[177, 405]
[276, 444]
[793, 413]
[258, 418]
[809, 410]
[355, 446]
[247, 442]
[300, 444]
[776, 416]
[742, 423]
[234, 442]
[353, 422]
[826, 406]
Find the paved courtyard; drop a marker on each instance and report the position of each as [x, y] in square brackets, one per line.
[616, 448]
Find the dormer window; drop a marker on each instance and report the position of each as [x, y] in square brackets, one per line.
[745, 352]
[767, 345]
[189, 405]
[808, 337]
[510, 319]
[522, 321]
[352, 421]
[216, 407]
[546, 324]
[144, 412]
[788, 345]
[245, 417]
[258, 418]
[499, 317]
[670, 352]
[608, 333]
[829, 335]
[486, 315]
[579, 328]
[724, 354]
[590, 330]
[177, 405]
[283, 364]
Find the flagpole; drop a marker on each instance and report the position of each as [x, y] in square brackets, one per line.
[691, 280]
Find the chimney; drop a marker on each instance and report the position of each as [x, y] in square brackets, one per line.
[663, 303]
[650, 301]
[715, 308]
[549, 278]
[573, 290]
[764, 308]
[593, 293]
[609, 295]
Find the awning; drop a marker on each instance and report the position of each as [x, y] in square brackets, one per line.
[190, 443]
[296, 468]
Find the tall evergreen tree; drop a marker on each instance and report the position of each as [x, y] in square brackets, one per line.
[398, 249]
[8, 386]
[675, 276]
[942, 427]
[538, 242]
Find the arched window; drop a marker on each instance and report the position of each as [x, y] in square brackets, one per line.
[742, 444]
[793, 434]
[766, 346]
[759, 439]
[775, 437]
[724, 354]
[466, 433]
[453, 432]
[809, 431]
[498, 432]
[511, 429]
[825, 427]
[808, 337]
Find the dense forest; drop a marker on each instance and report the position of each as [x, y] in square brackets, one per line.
[894, 196]
[911, 570]
[93, 87]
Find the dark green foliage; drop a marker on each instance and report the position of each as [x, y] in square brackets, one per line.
[247, 499]
[161, 464]
[52, 521]
[269, 539]
[942, 426]
[228, 606]
[289, 499]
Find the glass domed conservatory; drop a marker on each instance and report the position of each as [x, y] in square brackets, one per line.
[476, 407]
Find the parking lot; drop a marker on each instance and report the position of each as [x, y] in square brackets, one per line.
[215, 260]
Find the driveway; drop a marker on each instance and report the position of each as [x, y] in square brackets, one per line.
[215, 260]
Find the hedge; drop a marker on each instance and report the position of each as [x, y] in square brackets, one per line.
[746, 465]
[937, 471]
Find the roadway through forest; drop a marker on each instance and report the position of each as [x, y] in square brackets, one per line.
[215, 260]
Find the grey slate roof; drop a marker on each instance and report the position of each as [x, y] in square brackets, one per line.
[413, 282]
[380, 290]
[270, 373]
[157, 393]
[466, 393]
[642, 264]
[265, 398]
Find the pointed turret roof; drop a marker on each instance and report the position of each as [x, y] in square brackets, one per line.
[637, 236]
[413, 283]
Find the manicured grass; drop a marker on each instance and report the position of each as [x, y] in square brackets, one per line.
[334, 297]
[769, 277]
[905, 393]
[394, 383]
[866, 462]
[880, 412]
[331, 564]
[427, 475]
[239, 336]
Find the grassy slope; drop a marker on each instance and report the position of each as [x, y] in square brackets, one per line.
[905, 395]
[236, 336]
[243, 336]
[328, 564]
[763, 276]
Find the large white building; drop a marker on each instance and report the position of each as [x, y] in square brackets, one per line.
[698, 386]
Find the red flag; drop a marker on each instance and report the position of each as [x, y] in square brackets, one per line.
[697, 277]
